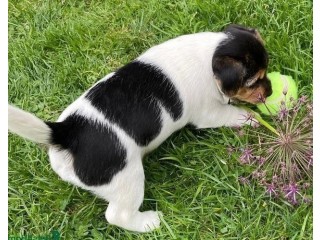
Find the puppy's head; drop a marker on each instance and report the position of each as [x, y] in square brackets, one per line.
[240, 65]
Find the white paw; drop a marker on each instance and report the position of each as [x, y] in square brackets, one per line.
[151, 220]
[246, 118]
[138, 221]
[254, 123]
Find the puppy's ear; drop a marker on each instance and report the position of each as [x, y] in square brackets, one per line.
[234, 28]
[229, 74]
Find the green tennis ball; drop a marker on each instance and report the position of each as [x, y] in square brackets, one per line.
[284, 88]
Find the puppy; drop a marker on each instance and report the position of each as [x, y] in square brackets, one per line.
[99, 140]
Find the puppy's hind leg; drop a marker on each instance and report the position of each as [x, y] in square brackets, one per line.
[125, 195]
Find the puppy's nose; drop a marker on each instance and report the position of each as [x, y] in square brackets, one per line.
[269, 92]
[268, 88]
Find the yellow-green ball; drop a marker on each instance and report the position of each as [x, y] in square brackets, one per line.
[280, 84]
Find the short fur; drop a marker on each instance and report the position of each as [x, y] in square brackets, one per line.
[99, 140]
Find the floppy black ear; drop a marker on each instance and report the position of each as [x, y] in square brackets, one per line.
[229, 73]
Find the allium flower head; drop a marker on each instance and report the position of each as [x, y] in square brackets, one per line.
[283, 162]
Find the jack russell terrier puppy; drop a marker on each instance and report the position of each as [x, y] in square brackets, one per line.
[99, 140]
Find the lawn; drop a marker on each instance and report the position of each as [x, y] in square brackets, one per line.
[58, 49]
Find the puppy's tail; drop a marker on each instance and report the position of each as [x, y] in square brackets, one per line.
[28, 126]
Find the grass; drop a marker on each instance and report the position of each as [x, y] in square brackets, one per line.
[58, 49]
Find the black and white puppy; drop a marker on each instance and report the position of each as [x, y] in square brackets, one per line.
[99, 140]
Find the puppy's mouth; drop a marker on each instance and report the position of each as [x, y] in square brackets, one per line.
[235, 101]
[253, 97]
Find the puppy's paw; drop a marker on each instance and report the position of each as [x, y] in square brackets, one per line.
[138, 221]
[151, 221]
[250, 120]
[245, 118]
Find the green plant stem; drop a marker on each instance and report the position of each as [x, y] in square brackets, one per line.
[261, 120]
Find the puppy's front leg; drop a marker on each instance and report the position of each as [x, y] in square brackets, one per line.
[225, 115]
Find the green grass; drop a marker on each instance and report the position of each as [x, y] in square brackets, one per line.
[57, 49]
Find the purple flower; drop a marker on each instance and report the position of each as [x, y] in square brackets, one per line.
[259, 159]
[270, 150]
[283, 113]
[261, 98]
[246, 156]
[302, 99]
[271, 189]
[257, 174]
[262, 160]
[291, 191]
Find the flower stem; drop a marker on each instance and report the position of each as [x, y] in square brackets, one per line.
[261, 121]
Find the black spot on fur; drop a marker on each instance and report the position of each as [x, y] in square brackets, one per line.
[98, 154]
[132, 98]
